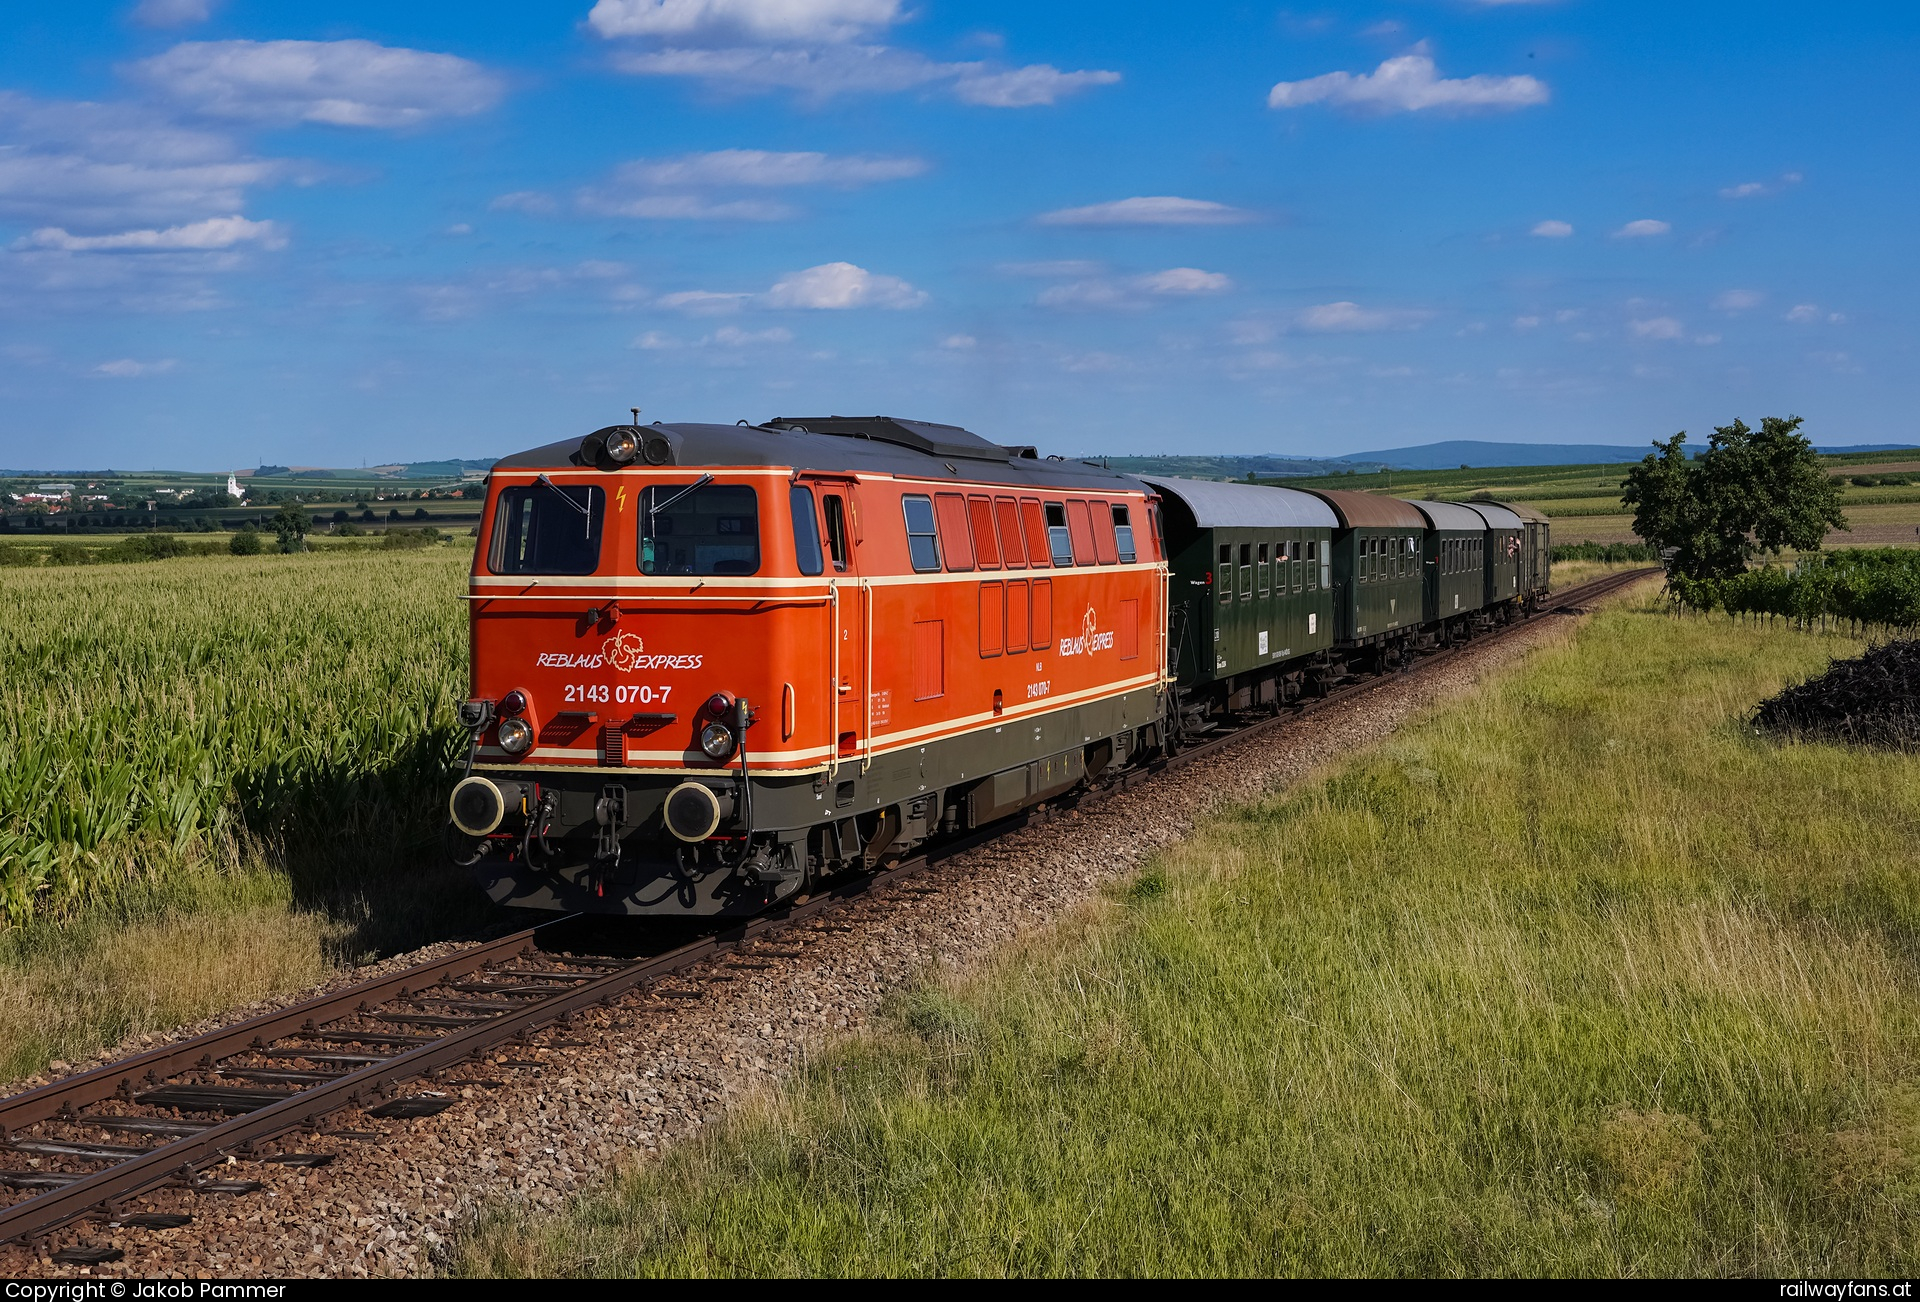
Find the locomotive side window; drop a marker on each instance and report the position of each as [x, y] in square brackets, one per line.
[1080, 532]
[1105, 549]
[806, 530]
[1225, 573]
[950, 509]
[923, 548]
[1033, 522]
[1007, 512]
[544, 528]
[985, 550]
[1123, 533]
[837, 530]
[712, 529]
[1057, 541]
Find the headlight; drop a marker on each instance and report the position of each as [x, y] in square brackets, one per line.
[515, 736]
[622, 444]
[716, 739]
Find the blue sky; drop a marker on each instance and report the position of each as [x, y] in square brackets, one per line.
[234, 232]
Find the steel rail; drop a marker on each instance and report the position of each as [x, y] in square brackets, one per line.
[104, 1190]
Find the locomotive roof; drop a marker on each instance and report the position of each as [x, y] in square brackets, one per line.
[1246, 506]
[1370, 510]
[1530, 514]
[1496, 516]
[874, 445]
[1451, 515]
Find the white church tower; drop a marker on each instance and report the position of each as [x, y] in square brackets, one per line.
[233, 487]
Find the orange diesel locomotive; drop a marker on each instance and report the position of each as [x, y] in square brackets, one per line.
[713, 664]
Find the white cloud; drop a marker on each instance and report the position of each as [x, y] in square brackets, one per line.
[214, 233]
[1738, 300]
[1526, 322]
[1409, 83]
[1645, 228]
[1345, 317]
[834, 285]
[701, 302]
[1185, 281]
[1706, 341]
[126, 368]
[735, 337]
[527, 201]
[1659, 327]
[1148, 210]
[1057, 267]
[109, 166]
[1745, 190]
[1028, 87]
[960, 343]
[349, 83]
[688, 207]
[172, 13]
[653, 340]
[800, 21]
[765, 168]
[821, 73]
[1552, 230]
[1812, 314]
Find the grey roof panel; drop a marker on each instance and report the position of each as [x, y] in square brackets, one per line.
[1497, 517]
[1530, 514]
[1247, 506]
[1451, 515]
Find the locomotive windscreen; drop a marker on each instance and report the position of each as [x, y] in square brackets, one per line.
[715, 529]
[543, 528]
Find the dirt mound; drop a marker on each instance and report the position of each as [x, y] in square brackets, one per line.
[1870, 701]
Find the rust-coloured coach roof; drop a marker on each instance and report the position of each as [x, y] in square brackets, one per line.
[1370, 510]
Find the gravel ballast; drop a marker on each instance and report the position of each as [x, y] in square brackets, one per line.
[536, 1121]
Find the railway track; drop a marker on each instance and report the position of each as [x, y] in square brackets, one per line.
[189, 1114]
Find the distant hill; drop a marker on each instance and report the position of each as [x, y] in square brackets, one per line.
[1269, 467]
[452, 469]
[1455, 453]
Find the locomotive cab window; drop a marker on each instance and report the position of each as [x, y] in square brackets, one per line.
[837, 530]
[699, 529]
[806, 530]
[1123, 534]
[547, 528]
[923, 546]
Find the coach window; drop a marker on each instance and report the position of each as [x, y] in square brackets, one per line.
[806, 530]
[1299, 567]
[1105, 549]
[1325, 550]
[1057, 540]
[837, 535]
[702, 530]
[1313, 554]
[1224, 575]
[923, 548]
[1123, 534]
[950, 510]
[986, 550]
[1006, 512]
[1246, 571]
[1266, 581]
[1080, 533]
[547, 528]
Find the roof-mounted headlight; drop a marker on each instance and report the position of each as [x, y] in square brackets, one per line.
[622, 445]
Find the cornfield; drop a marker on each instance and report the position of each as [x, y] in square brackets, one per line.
[1863, 588]
[155, 718]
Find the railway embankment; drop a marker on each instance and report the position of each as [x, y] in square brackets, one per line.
[1576, 974]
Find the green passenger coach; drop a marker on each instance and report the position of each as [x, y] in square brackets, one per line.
[1455, 583]
[1251, 599]
[1378, 588]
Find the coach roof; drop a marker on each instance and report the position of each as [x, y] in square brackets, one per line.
[862, 445]
[1528, 513]
[1370, 510]
[1246, 506]
[1496, 516]
[1451, 515]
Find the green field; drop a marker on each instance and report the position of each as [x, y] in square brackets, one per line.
[219, 777]
[1575, 977]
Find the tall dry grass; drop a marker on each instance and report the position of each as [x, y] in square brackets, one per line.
[1574, 977]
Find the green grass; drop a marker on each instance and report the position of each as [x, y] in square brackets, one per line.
[219, 777]
[1575, 977]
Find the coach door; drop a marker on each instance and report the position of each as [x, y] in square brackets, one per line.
[850, 621]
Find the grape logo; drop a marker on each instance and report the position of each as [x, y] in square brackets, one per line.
[1091, 639]
[623, 651]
